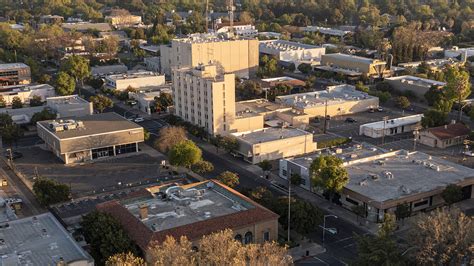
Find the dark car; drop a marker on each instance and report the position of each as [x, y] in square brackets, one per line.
[350, 120]
[14, 155]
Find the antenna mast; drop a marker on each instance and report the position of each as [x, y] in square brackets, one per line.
[231, 9]
[207, 16]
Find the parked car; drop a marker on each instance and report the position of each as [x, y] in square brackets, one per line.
[371, 110]
[380, 109]
[469, 153]
[350, 120]
[14, 155]
[138, 120]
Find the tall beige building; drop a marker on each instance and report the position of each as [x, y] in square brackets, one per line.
[238, 56]
[205, 97]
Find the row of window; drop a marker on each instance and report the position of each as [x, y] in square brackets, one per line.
[248, 237]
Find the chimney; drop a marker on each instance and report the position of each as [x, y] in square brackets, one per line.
[143, 211]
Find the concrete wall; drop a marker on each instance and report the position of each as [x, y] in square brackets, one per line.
[389, 131]
[429, 139]
[146, 81]
[277, 149]
[418, 90]
[242, 124]
[342, 108]
[237, 56]
[26, 95]
[366, 68]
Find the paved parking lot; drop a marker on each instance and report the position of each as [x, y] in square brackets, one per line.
[109, 174]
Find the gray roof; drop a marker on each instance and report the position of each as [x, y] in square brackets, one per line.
[12, 66]
[400, 174]
[354, 58]
[270, 134]
[84, 26]
[38, 240]
[93, 125]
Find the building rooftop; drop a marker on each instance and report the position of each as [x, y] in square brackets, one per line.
[390, 176]
[84, 26]
[327, 31]
[132, 75]
[89, 125]
[269, 134]
[11, 66]
[417, 81]
[63, 100]
[19, 88]
[272, 82]
[206, 38]
[258, 106]
[190, 210]
[38, 240]
[396, 122]
[354, 58]
[333, 94]
[449, 131]
[343, 71]
[346, 153]
[108, 70]
[284, 46]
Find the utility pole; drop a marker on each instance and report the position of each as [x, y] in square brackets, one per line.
[207, 16]
[325, 116]
[385, 118]
[231, 9]
[289, 207]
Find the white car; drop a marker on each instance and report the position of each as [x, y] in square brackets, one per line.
[469, 153]
[138, 120]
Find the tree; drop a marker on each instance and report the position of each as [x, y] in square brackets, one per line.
[49, 191]
[380, 249]
[202, 167]
[403, 211]
[403, 102]
[169, 137]
[442, 237]
[96, 83]
[219, 248]
[11, 133]
[164, 101]
[17, 103]
[46, 114]
[125, 259]
[452, 194]
[230, 143]
[266, 165]
[77, 67]
[101, 102]
[361, 87]
[295, 179]
[3, 103]
[36, 100]
[185, 154]
[106, 236]
[303, 215]
[433, 118]
[305, 68]
[228, 178]
[458, 86]
[65, 84]
[328, 173]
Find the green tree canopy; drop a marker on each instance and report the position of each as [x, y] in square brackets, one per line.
[403, 102]
[101, 102]
[433, 118]
[228, 178]
[49, 191]
[65, 84]
[452, 194]
[77, 67]
[45, 114]
[328, 173]
[202, 167]
[185, 154]
[36, 100]
[17, 103]
[106, 236]
[458, 86]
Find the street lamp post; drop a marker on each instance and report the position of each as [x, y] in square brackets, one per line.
[324, 224]
[385, 118]
[416, 133]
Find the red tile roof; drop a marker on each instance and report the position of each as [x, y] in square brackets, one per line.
[143, 235]
[449, 131]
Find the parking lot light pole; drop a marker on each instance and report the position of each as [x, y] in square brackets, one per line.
[385, 118]
[324, 224]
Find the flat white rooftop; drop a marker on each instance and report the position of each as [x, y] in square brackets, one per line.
[12, 66]
[269, 134]
[354, 58]
[333, 94]
[176, 206]
[396, 122]
[417, 81]
[65, 100]
[133, 75]
[283, 46]
[399, 174]
[38, 240]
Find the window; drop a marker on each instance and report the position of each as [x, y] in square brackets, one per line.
[352, 201]
[421, 203]
[266, 236]
[248, 238]
[238, 237]
[284, 172]
[127, 148]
